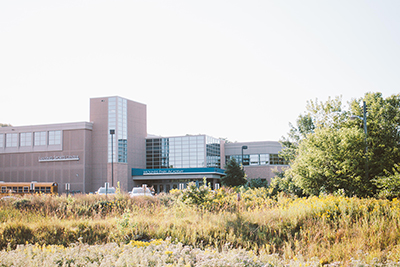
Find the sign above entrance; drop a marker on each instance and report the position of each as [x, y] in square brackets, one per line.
[143, 172]
[161, 171]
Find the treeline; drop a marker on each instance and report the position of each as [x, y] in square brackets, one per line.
[353, 150]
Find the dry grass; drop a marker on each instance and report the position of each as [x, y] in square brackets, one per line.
[327, 228]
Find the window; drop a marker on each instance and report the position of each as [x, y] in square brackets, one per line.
[258, 159]
[254, 159]
[40, 138]
[118, 121]
[1, 140]
[11, 140]
[25, 139]
[122, 151]
[264, 159]
[213, 154]
[54, 137]
[246, 160]
[276, 160]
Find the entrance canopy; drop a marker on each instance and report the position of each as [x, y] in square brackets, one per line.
[162, 180]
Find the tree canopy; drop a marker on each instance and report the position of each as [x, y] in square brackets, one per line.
[328, 151]
[235, 175]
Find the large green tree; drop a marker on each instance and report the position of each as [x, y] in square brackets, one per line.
[329, 151]
[330, 160]
[235, 175]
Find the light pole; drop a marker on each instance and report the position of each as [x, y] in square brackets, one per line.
[243, 147]
[364, 119]
[112, 132]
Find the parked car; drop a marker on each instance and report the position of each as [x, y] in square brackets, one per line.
[139, 191]
[102, 191]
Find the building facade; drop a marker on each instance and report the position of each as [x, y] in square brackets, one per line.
[114, 155]
[48, 153]
[114, 148]
[260, 159]
[172, 162]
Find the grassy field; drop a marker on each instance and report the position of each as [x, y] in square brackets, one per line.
[197, 227]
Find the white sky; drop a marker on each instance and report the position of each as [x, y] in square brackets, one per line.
[240, 70]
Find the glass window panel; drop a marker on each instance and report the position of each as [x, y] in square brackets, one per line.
[1, 140]
[40, 138]
[276, 160]
[12, 140]
[254, 159]
[25, 139]
[54, 137]
[264, 159]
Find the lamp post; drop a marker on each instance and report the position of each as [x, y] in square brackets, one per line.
[243, 147]
[364, 119]
[112, 132]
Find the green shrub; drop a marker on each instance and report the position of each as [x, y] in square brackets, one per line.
[193, 195]
[16, 233]
[22, 203]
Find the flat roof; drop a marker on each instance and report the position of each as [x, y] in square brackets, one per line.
[48, 127]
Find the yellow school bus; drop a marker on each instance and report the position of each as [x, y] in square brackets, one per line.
[22, 188]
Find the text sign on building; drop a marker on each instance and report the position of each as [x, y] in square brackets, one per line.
[157, 171]
[58, 158]
[141, 172]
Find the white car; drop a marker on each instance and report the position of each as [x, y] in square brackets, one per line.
[102, 191]
[139, 191]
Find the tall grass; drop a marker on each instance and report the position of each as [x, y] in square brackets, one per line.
[327, 228]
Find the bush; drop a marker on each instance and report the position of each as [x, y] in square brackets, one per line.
[16, 233]
[389, 186]
[193, 195]
[22, 203]
[257, 183]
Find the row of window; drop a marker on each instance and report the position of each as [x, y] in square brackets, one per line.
[27, 139]
[117, 120]
[24, 189]
[182, 152]
[258, 159]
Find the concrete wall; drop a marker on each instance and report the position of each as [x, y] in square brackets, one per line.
[22, 164]
[99, 118]
[262, 171]
[137, 133]
[261, 147]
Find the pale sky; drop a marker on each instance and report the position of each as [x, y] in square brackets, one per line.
[240, 70]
